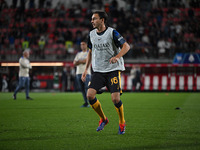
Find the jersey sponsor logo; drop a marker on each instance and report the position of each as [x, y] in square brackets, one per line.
[101, 46]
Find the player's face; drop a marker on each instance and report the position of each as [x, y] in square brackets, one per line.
[96, 21]
[26, 55]
[83, 46]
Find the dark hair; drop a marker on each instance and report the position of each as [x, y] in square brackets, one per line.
[84, 40]
[102, 14]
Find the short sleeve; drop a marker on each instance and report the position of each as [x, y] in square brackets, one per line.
[118, 39]
[89, 42]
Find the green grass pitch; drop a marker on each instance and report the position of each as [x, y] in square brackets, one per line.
[55, 121]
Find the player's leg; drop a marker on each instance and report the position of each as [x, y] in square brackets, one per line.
[19, 86]
[118, 106]
[97, 82]
[96, 105]
[86, 83]
[27, 87]
[120, 111]
[82, 88]
[85, 86]
[114, 84]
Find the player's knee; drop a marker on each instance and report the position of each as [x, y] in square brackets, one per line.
[115, 99]
[90, 96]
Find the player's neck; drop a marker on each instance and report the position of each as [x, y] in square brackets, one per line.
[101, 28]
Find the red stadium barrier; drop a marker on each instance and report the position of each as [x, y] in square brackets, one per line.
[155, 77]
[164, 83]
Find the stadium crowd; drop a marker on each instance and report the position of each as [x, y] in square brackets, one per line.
[154, 30]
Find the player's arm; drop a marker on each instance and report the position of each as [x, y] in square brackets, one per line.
[119, 42]
[124, 50]
[24, 64]
[88, 62]
[78, 62]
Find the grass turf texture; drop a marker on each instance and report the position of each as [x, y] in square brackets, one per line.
[55, 121]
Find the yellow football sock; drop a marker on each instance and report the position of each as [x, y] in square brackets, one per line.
[120, 110]
[96, 105]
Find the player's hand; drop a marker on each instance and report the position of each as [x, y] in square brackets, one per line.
[113, 60]
[83, 77]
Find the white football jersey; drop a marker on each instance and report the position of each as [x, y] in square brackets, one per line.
[103, 49]
[81, 67]
[24, 67]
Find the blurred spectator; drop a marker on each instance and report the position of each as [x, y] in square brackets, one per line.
[69, 48]
[11, 42]
[13, 79]
[142, 23]
[3, 4]
[135, 74]
[25, 44]
[178, 27]
[78, 39]
[145, 38]
[168, 46]
[14, 3]
[31, 4]
[41, 3]
[161, 47]
[48, 3]
[4, 84]
[72, 78]
[68, 86]
[60, 39]
[64, 79]
[41, 44]
[80, 63]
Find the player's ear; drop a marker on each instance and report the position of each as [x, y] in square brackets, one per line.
[103, 20]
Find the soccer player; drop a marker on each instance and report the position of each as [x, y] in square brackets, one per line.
[106, 48]
[80, 62]
[24, 79]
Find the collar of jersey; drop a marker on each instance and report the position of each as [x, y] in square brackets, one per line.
[101, 33]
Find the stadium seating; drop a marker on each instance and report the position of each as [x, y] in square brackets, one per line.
[34, 21]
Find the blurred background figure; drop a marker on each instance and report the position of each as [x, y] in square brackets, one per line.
[64, 79]
[157, 32]
[136, 78]
[41, 44]
[24, 79]
[25, 43]
[80, 62]
[4, 84]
